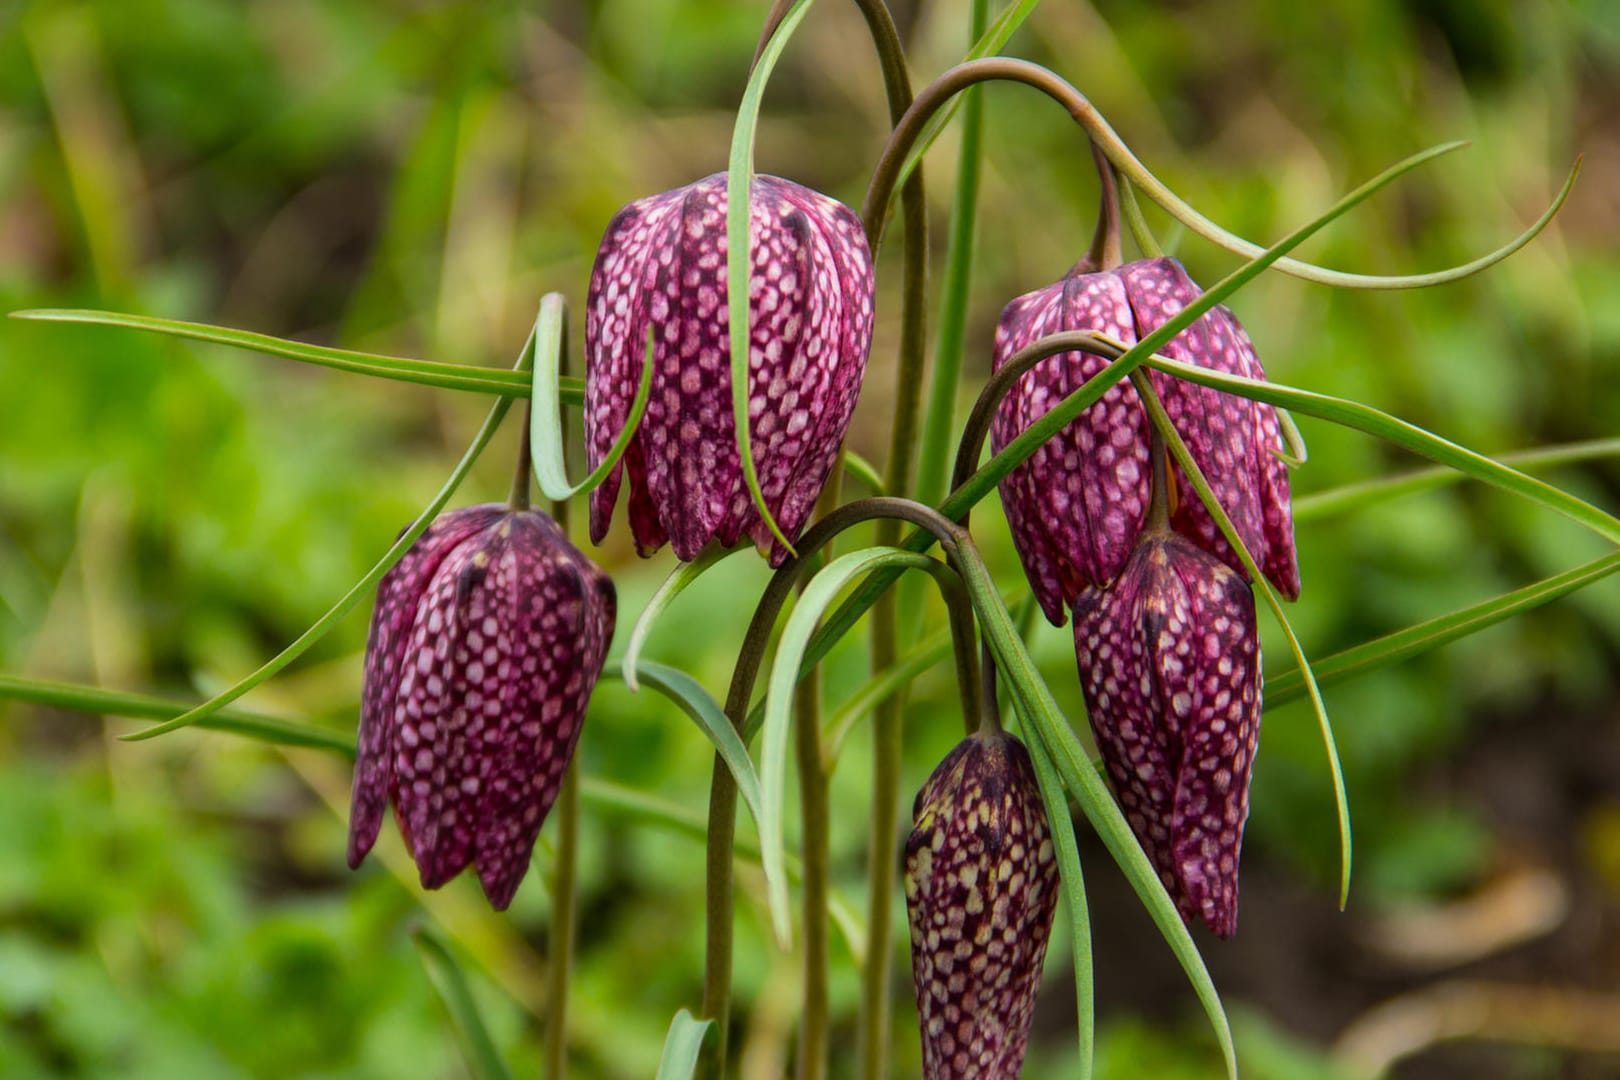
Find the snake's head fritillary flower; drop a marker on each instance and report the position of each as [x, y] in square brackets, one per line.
[981, 889]
[662, 265]
[1169, 661]
[1078, 504]
[487, 639]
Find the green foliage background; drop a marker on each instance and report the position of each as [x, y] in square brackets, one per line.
[409, 177]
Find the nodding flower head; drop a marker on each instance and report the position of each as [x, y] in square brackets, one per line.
[662, 265]
[1170, 666]
[1078, 504]
[981, 889]
[487, 639]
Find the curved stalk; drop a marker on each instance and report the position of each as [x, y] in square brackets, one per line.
[935, 96]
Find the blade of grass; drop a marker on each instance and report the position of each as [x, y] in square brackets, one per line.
[422, 372]
[1074, 900]
[682, 1046]
[482, 1058]
[1441, 630]
[739, 251]
[1366, 493]
[676, 583]
[545, 418]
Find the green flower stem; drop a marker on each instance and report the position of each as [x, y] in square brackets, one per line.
[883, 848]
[722, 825]
[1140, 232]
[938, 94]
[565, 867]
[813, 780]
[955, 281]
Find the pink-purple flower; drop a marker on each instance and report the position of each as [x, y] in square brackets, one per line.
[1169, 660]
[662, 265]
[1078, 504]
[981, 889]
[486, 641]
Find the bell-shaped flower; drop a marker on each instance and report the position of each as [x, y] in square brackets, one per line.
[662, 265]
[981, 889]
[1077, 505]
[1169, 660]
[486, 641]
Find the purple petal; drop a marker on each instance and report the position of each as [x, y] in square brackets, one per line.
[981, 890]
[398, 596]
[811, 314]
[1077, 504]
[553, 628]
[1170, 666]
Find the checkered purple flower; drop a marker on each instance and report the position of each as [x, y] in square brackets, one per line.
[486, 641]
[1169, 663]
[981, 889]
[662, 265]
[1077, 505]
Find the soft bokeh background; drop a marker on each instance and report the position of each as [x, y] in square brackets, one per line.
[409, 176]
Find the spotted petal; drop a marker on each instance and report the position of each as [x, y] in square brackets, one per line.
[1169, 661]
[981, 890]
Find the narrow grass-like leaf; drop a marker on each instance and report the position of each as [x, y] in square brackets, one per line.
[1046, 723]
[1200, 484]
[982, 482]
[932, 650]
[682, 1046]
[818, 594]
[1074, 900]
[545, 418]
[422, 372]
[94, 699]
[739, 251]
[990, 42]
[698, 704]
[864, 471]
[1365, 418]
[1366, 493]
[325, 623]
[482, 1058]
[676, 583]
[1442, 630]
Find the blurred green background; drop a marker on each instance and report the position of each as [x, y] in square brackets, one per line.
[410, 176]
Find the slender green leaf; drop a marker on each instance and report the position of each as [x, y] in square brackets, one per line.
[325, 623]
[447, 976]
[1365, 418]
[739, 248]
[1442, 630]
[864, 471]
[545, 418]
[1074, 901]
[817, 595]
[698, 704]
[676, 583]
[1356, 496]
[91, 699]
[422, 372]
[682, 1046]
[1046, 723]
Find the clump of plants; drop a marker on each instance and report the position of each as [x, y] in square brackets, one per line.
[1142, 462]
